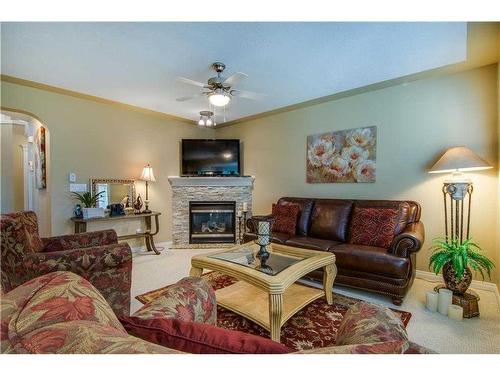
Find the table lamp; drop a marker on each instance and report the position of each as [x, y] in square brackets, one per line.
[457, 160]
[148, 176]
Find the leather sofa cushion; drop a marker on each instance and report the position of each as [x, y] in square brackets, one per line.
[199, 338]
[370, 259]
[311, 243]
[275, 237]
[306, 206]
[330, 219]
[373, 226]
[285, 217]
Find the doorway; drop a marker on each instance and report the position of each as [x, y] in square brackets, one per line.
[20, 156]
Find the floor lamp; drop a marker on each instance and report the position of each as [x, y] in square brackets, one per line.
[457, 189]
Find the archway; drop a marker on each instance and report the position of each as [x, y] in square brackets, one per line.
[25, 166]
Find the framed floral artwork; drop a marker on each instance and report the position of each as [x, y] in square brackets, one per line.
[40, 159]
[342, 156]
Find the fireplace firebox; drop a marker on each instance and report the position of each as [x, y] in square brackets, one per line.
[212, 222]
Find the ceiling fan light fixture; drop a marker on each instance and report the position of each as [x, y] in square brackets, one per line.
[219, 98]
[207, 118]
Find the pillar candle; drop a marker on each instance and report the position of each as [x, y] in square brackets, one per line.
[431, 301]
[245, 206]
[444, 300]
[455, 312]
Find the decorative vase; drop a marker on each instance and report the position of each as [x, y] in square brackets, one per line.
[263, 226]
[455, 284]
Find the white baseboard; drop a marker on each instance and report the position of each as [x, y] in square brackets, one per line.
[476, 284]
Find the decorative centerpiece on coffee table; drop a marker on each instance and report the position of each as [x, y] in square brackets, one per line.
[263, 226]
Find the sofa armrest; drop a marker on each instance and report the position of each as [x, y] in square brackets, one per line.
[387, 347]
[366, 323]
[250, 225]
[190, 299]
[79, 260]
[81, 240]
[108, 268]
[409, 241]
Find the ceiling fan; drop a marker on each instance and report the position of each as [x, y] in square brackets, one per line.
[220, 89]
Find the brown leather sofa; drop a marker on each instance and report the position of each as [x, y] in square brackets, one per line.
[324, 224]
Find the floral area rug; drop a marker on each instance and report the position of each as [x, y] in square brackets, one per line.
[315, 326]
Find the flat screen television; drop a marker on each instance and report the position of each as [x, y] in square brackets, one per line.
[210, 157]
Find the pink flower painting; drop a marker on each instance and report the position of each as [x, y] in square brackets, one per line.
[342, 156]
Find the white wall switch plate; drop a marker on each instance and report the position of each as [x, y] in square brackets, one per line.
[78, 188]
[72, 177]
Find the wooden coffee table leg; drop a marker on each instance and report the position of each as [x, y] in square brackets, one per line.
[329, 274]
[195, 272]
[275, 311]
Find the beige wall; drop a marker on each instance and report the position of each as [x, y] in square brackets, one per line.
[498, 199]
[18, 140]
[6, 163]
[416, 123]
[102, 141]
[12, 167]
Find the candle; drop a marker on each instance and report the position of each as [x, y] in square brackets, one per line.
[245, 206]
[455, 312]
[444, 300]
[431, 301]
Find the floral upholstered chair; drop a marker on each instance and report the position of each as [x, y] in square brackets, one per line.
[96, 256]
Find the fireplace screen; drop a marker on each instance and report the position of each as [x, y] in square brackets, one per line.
[212, 222]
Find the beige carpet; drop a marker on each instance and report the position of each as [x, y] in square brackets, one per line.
[437, 332]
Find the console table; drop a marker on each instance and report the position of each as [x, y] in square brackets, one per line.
[81, 227]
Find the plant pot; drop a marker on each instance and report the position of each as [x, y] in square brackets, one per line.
[89, 213]
[452, 282]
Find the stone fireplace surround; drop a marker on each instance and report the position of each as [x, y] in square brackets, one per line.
[186, 189]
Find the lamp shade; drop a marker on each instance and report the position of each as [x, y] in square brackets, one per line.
[459, 159]
[147, 174]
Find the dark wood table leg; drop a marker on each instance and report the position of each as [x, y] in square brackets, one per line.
[150, 245]
[80, 227]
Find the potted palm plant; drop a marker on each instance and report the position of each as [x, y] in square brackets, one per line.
[454, 258]
[89, 202]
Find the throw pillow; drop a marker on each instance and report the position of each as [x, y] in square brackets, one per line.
[199, 338]
[373, 226]
[285, 218]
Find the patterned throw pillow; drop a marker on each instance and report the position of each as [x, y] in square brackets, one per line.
[285, 218]
[373, 226]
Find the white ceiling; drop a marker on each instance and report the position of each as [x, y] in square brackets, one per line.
[137, 63]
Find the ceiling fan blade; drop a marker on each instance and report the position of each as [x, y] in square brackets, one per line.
[190, 82]
[190, 97]
[248, 94]
[235, 79]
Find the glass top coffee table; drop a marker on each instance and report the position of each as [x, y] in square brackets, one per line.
[268, 294]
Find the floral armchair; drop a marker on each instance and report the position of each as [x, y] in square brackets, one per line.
[96, 256]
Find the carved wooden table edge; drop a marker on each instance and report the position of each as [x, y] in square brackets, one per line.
[81, 227]
[275, 286]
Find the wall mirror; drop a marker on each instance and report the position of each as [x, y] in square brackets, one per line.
[115, 191]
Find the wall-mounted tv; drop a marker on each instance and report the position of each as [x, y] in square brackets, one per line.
[210, 157]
